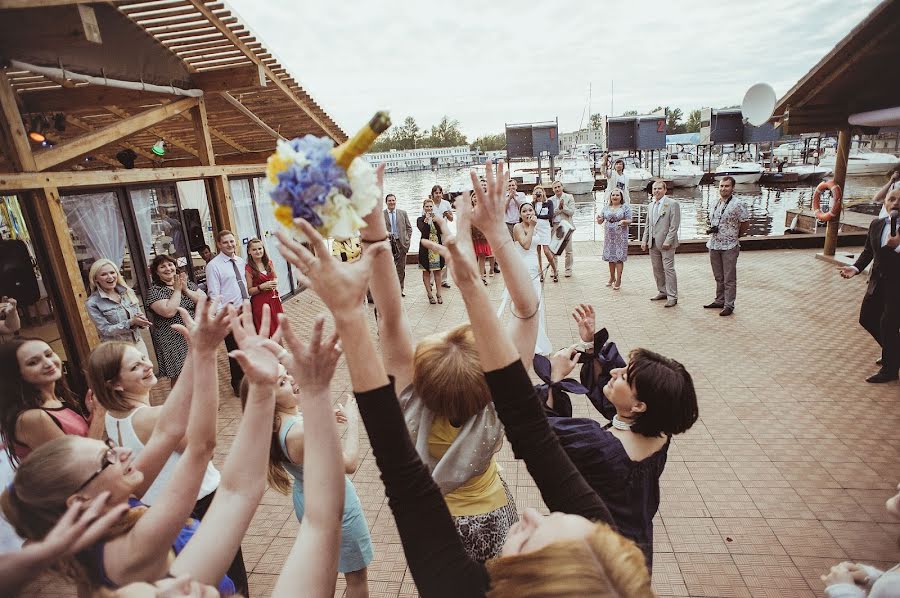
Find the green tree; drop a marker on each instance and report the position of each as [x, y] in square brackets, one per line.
[490, 142]
[596, 122]
[409, 133]
[630, 113]
[672, 120]
[693, 122]
[445, 134]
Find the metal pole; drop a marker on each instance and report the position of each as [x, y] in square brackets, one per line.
[840, 177]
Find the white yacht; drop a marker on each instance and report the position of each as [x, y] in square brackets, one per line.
[638, 176]
[808, 172]
[682, 171]
[863, 162]
[740, 168]
[576, 176]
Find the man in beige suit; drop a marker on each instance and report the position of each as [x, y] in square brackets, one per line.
[563, 209]
[400, 232]
[661, 236]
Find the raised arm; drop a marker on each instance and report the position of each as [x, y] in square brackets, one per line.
[489, 216]
[882, 193]
[207, 556]
[394, 331]
[10, 323]
[434, 552]
[311, 566]
[350, 411]
[142, 553]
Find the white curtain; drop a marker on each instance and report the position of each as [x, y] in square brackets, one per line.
[96, 220]
[142, 201]
[192, 195]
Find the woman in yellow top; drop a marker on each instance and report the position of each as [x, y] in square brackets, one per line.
[444, 396]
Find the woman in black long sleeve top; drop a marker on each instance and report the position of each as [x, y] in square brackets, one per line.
[563, 554]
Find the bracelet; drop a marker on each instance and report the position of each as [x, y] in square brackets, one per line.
[534, 313]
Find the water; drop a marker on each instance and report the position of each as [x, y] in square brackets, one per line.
[768, 205]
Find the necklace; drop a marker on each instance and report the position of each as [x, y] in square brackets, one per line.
[618, 424]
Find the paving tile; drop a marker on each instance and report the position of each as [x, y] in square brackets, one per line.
[863, 540]
[713, 575]
[748, 535]
[804, 537]
[772, 576]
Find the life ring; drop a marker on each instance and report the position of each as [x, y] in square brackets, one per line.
[836, 194]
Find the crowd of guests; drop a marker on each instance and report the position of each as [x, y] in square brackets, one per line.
[121, 496]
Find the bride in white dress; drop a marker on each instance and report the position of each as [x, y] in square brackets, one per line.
[523, 238]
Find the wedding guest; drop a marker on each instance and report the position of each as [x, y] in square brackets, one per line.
[661, 237]
[444, 209]
[430, 262]
[543, 209]
[114, 307]
[514, 200]
[170, 289]
[616, 215]
[37, 405]
[483, 250]
[619, 179]
[400, 231]
[262, 284]
[121, 380]
[225, 281]
[285, 474]
[651, 398]
[574, 551]
[728, 222]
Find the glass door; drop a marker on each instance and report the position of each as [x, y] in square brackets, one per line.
[268, 225]
[244, 214]
[157, 215]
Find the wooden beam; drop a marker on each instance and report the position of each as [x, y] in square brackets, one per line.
[111, 178]
[86, 143]
[228, 79]
[332, 131]
[249, 114]
[168, 138]
[222, 203]
[52, 232]
[201, 133]
[13, 129]
[227, 139]
[88, 96]
[138, 150]
[5, 4]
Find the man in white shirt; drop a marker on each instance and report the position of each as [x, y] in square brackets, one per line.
[225, 280]
[563, 211]
[661, 237]
[444, 209]
[880, 310]
[400, 232]
[514, 200]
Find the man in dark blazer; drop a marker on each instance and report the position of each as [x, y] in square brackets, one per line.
[400, 233]
[880, 311]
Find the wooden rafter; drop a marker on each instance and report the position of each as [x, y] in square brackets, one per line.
[334, 133]
[249, 114]
[107, 178]
[109, 134]
[227, 139]
[139, 151]
[12, 130]
[167, 137]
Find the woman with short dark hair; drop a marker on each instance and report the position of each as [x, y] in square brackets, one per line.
[170, 290]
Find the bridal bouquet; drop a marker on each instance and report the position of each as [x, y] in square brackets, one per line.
[332, 188]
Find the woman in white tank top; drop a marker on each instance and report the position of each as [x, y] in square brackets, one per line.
[121, 378]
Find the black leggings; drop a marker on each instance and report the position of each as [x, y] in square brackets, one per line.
[236, 571]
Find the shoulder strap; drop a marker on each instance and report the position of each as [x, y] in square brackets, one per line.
[286, 424]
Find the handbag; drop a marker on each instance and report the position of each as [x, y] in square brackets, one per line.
[561, 236]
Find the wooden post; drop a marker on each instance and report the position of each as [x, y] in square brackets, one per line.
[48, 224]
[13, 130]
[222, 204]
[840, 177]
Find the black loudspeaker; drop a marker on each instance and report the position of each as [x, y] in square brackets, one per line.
[194, 228]
[17, 278]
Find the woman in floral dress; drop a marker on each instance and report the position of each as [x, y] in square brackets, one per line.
[616, 216]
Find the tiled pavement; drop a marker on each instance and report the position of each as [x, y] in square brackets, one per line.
[785, 474]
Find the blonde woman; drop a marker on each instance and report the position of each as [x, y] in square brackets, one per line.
[114, 307]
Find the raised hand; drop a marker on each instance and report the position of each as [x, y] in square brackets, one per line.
[587, 321]
[341, 286]
[257, 353]
[458, 250]
[311, 364]
[489, 213]
[563, 362]
[9, 305]
[209, 326]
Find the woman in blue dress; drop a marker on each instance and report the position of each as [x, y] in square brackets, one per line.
[616, 216]
[286, 470]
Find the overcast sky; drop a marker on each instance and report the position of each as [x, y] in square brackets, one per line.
[492, 62]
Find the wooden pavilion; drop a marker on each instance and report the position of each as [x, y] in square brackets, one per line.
[108, 86]
[855, 79]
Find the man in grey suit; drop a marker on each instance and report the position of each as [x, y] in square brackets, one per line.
[563, 209]
[661, 236]
[400, 232]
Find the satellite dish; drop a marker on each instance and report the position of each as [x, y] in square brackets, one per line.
[758, 104]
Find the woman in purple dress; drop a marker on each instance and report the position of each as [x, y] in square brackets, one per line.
[616, 216]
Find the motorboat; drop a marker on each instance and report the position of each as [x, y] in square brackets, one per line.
[742, 170]
[808, 172]
[682, 171]
[863, 162]
[638, 176]
[576, 176]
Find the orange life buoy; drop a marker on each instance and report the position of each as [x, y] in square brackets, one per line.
[835, 210]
